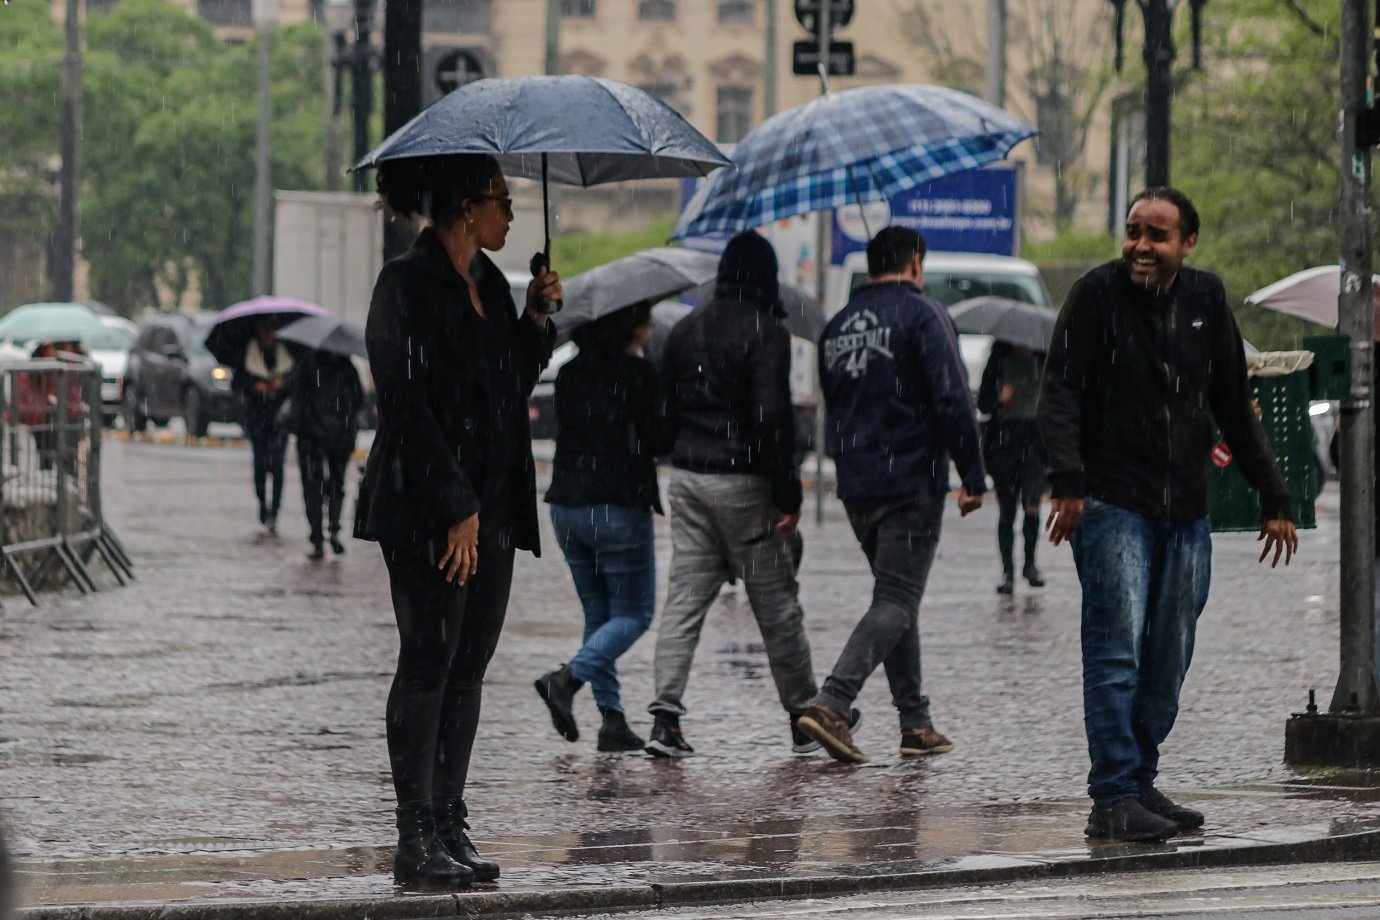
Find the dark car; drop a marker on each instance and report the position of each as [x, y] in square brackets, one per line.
[171, 373]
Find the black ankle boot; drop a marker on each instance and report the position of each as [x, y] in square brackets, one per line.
[1032, 574]
[616, 735]
[336, 546]
[1007, 585]
[421, 858]
[557, 689]
[450, 832]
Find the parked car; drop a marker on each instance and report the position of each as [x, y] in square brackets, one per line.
[171, 373]
[110, 350]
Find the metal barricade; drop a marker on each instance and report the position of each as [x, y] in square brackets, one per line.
[50, 458]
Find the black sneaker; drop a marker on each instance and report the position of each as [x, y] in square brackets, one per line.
[666, 740]
[616, 735]
[1128, 819]
[802, 743]
[1157, 803]
[557, 689]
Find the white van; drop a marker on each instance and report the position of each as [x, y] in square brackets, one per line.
[954, 276]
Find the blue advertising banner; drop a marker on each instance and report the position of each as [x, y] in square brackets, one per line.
[971, 211]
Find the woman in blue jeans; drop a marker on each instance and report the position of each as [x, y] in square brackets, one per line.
[611, 426]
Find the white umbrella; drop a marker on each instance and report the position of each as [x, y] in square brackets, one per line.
[1312, 295]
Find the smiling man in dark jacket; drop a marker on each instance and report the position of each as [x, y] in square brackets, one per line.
[735, 490]
[1143, 349]
[899, 406]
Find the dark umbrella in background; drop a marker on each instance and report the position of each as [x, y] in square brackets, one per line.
[326, 333]
[570, 129]
[667, 271]
[235, 324]
[1006, 320]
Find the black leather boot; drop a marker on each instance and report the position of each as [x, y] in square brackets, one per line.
[557, 689]
[616, 735]
[421, 857]
[450, 832]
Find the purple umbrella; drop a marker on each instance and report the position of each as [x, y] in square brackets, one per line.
[235, 324]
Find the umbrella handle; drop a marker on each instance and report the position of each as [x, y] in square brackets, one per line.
[542, 260]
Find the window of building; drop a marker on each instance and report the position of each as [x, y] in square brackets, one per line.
[226, 12]
[737, 12]
[470, 17]
[656, 10]
[579, 9]
[733, 117]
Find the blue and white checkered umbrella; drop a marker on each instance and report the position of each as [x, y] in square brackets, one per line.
[860, 145]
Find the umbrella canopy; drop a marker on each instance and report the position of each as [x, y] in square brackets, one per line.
[575, 130]
[1006, 320]
[1312, 295]
[860, 145]
[326, 333]
[235, 324]
[51, 322]
[656, 274]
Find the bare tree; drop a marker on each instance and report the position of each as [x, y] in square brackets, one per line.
[1058, 56]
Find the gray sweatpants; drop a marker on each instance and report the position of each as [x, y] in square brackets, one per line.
[723, 524]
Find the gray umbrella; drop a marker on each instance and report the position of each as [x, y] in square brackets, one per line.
[326, 333]
[656, 274]
[1006, 320]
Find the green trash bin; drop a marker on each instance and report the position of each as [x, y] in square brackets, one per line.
[1283, 403]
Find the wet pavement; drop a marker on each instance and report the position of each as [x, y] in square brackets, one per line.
[215, 730]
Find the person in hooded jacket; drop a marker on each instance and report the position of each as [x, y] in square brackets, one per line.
[612, 425]
[735, 488]
[326, 395]
[449, 490]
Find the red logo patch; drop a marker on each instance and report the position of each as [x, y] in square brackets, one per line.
[1221, 456]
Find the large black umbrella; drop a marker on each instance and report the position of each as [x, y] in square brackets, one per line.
[1007, 320]
[571, 129]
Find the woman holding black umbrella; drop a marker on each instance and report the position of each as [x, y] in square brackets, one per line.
[449, 491]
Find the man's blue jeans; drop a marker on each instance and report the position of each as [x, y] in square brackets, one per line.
[612, 557]
[1144, 584]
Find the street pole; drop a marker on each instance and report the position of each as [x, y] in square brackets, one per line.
[265, 14]
[553, 37]
[64, 268]
[823, 221]
[770, 57]
[362, 87]
[1158, 54]
[1356, 685]
[996, 52]
[402, 91]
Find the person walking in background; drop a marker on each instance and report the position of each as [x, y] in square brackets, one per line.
[262, 382]
[1015, 458]
[1143, 349]
[735, 489]
[898, 406]
[325, 400]
[612, 424]
[449, 491]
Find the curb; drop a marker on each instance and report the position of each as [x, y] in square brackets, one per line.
[1358, 846]
[167, 438]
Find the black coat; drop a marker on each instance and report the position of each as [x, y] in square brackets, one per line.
[453, 435]
[612, 425]
[1128, 384]
[326, 396]
[728, 380]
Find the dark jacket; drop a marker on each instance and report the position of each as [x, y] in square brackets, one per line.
[728, 380]
[993, 375]
[326, 396]
[612, 424]
[1128, 384]
[260, 411]
[453, 434]
[897, 396]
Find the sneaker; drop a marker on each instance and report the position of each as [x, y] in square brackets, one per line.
[1128, 819]
[1033, 576]
[1157, 803]
[919, 742]
[802, 743]
[666, 740]
[831, 730]
[557, 689]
